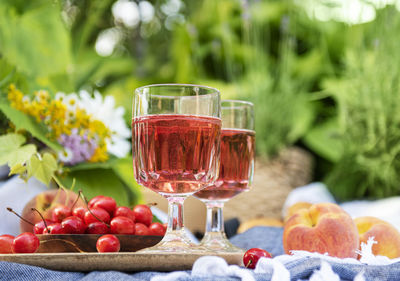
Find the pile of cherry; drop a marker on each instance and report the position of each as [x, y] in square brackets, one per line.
[101, 217]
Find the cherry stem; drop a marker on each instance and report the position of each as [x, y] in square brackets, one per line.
[44, 221]
[90, 211]
[77, 198]
[25, 220]
[249, 263]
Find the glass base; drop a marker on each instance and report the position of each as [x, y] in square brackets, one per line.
[174, 242]
[217, 242]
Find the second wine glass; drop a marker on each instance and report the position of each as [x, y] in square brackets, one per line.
[235, 174]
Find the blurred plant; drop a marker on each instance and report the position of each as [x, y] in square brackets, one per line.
[365, 137]
[47, 47]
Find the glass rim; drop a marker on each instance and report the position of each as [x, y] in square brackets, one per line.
[239, 102]
[215, 91]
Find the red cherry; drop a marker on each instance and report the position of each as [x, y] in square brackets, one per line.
[143, 214]
[141, 229]
[79, 212]
[122, 225]
[6, 244]
[106, 203]
[40, 226]
[95, 214]
[252, 256]
[54, 228]
[60, 212]
[107, 243]
[124, 212]
[26, 242]
[157, 228]
[73, 225]
[97, 228]
[94, 200]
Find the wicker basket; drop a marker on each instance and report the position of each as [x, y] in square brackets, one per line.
[273, 180]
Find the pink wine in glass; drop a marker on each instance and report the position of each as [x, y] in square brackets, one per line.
[236, 165]
[175, 154]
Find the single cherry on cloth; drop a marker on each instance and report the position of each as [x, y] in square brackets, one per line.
[124, 212]
[73, 225]
[106, 203]
[6, 244]
[143, 214]
[26, 242]
[97, 228]
[251, 257]
[108, 243]
[122, 225]
[157, 228]
[96, 214]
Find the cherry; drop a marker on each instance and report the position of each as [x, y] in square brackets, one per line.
[252, 256]
[106, 203]
[122, 225]
[97, 228]
[94, 200]
[96, 215]
[6, 244]
[157, 228]
[107, 243]
[141, 229]
[41, 226]
[73, 225]
[79, 212]
[143, 214]
[124, 212]
[54, 228]
[60, 212]
[26, 242]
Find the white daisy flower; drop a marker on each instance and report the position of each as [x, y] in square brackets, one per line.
[60, 96]
[105, 111]
[66, 155]
[72, 101]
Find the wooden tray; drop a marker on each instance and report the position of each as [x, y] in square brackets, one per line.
[115, 261]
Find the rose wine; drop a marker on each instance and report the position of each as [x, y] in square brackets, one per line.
[175, 154]
[236, 165]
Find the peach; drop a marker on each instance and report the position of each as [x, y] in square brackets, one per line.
[387, 236]
[45, 202]
[322, 228]
[295, 207]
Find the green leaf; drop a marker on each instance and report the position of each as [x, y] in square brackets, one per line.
[17, 169]
[325, 140]
[12, 151]
[34, 39]
[124, 170]
[42, 169]
[95, 182]
[25, 122]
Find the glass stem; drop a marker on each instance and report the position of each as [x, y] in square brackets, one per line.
[175, 213]
[215, 219]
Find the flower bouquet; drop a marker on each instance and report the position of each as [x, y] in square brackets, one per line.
[71, 139]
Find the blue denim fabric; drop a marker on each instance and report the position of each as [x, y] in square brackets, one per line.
[269, 238]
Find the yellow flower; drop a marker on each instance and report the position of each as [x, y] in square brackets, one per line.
[100, 154]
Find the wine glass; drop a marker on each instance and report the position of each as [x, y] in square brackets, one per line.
[175, 142]
[236, 171]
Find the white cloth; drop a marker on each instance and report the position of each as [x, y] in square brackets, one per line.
[15, 193]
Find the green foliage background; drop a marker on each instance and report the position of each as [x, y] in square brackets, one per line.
[327, 86]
